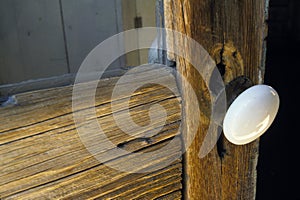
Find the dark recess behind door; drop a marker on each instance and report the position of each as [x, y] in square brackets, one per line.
[278, 168]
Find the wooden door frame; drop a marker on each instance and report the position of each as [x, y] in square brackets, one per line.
[233, 32]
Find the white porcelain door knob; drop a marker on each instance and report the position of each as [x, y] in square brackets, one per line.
[251, 114]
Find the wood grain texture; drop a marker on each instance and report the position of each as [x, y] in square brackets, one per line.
[233, 32]
[43, 157]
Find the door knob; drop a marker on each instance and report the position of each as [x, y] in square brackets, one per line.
[250, 114]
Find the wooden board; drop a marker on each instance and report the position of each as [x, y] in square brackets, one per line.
[87, 24]
[234, 33]
[42, 156]
[47, 38]
[31, 40]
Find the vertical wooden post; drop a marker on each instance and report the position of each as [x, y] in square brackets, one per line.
[233, 32]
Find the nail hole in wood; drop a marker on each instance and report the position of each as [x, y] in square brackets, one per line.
[221, 67]
[234, 54]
